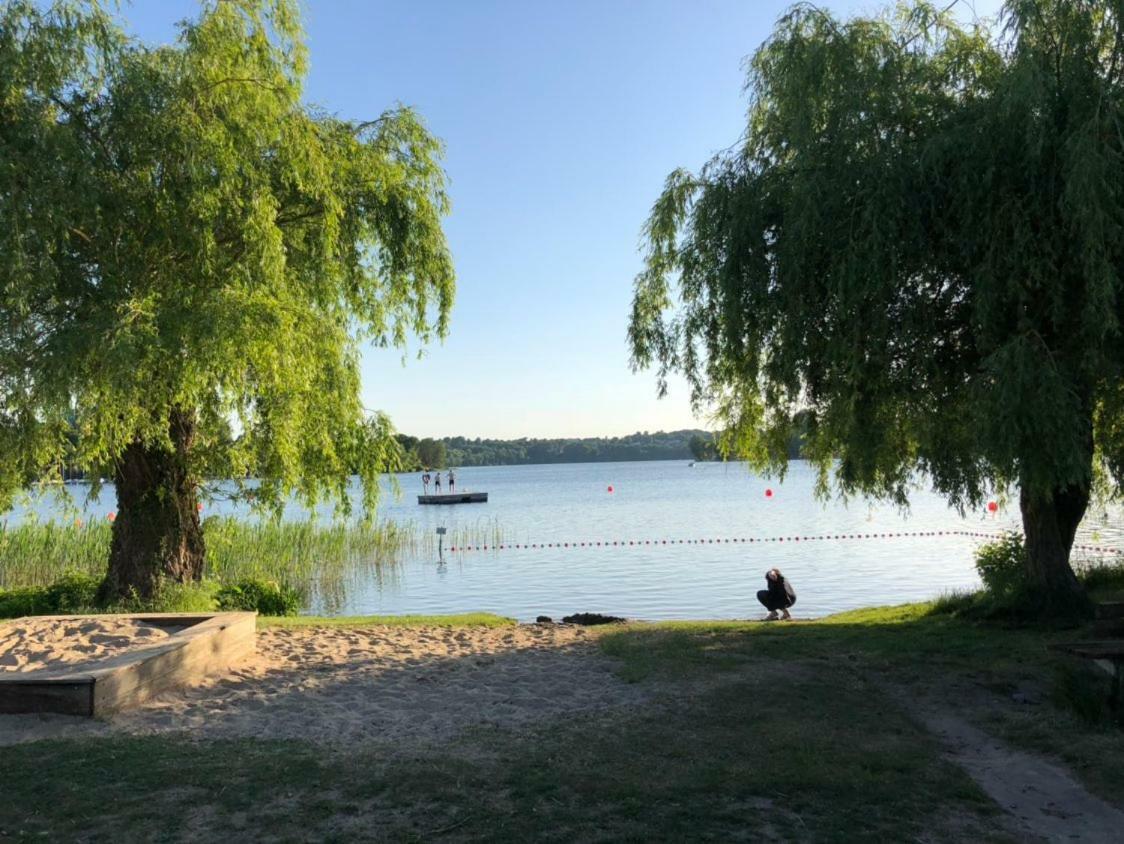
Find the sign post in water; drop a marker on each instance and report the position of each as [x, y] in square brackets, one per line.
[440, 544]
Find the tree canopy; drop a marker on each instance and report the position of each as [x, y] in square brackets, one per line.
[464, 451]
[918, 243]
[191, 257]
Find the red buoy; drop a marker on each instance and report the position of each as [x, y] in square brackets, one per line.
[992, 506]
[769, 493]
[610, 487]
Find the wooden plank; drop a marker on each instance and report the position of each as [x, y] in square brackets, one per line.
[208, 644]
[65, 697]
[1111, 649]
[1109, 610]
[211, 647]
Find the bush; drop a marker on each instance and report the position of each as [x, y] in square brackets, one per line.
[1103, 577]
[172, 597]
[1084, 692]
[264, 596]
[15, 603]
[1002, 566]
[187, 597]
[74, 592]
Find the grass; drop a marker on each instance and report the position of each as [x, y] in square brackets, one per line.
[744, 758]
[324, 561]
[476, 619]
[977, 670]
[784, 731]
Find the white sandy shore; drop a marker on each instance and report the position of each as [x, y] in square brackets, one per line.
[340, 686]
[45, 644]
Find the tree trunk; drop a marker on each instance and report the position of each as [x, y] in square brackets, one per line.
[1050, 523]
[156, 534]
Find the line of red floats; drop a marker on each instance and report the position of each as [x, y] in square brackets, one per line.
[635, 542]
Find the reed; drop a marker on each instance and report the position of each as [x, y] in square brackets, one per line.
[321, 560]
[326, 562]
[38, 554]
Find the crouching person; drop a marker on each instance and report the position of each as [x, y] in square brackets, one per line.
[778, 597]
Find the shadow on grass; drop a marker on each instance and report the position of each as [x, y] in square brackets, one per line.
[1002, 677]
[785, 749]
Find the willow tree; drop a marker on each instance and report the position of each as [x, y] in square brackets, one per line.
[190, 260]
[920, 243]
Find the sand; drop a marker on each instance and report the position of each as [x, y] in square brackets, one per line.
[44, 644]
[397, 685]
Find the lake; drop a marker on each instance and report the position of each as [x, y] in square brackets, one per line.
[654, 502]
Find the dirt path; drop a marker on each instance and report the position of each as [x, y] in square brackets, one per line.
[1042, 799]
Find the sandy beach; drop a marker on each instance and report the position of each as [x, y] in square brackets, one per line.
[44, 644]
[339, 686]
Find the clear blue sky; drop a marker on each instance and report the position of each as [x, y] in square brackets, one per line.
[561, 121]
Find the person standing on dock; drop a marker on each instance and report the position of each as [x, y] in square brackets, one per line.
[437, 484]
[452, 481]
[425, 482]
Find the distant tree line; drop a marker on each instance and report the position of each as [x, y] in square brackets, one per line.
[688, 444]
[462, 451]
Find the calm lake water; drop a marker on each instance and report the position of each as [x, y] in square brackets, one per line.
[657, 501]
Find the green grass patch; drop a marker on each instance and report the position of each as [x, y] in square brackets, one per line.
[753, 731]
[808, 758]
[1003, 678]
[477, 619]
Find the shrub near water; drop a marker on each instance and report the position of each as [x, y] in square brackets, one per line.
[71, 594]
[262, 596]
[1002, 566]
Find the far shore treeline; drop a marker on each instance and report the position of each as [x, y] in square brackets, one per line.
[687, 444]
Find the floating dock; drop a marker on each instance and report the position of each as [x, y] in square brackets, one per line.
[455, 498]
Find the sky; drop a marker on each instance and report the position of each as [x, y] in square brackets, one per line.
[561, 121]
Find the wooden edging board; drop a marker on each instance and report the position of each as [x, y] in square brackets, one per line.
[209, 643]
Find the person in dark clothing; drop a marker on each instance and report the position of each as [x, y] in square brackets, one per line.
[779, 596]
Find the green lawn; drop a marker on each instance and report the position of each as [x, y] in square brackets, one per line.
[754, 731]
[472, 619]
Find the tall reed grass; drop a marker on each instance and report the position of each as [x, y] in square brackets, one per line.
[325, 561]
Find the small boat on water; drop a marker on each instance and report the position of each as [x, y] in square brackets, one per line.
[455, 498]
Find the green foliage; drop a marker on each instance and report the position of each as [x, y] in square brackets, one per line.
[180, 233]
[263, 596]
[431, 454]
[1002, 566]
[36, 554]
[319, 560]
[171, 597]
[702, 447]
[16, 603]
[919, 243]
[1104, 579]
[1084, 691]
[74, 592]
[475, 619]
[643, 445]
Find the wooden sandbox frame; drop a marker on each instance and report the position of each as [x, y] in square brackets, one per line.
[209, 643]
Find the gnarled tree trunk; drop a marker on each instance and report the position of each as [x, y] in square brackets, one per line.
[1050, 523]
[156, 535]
